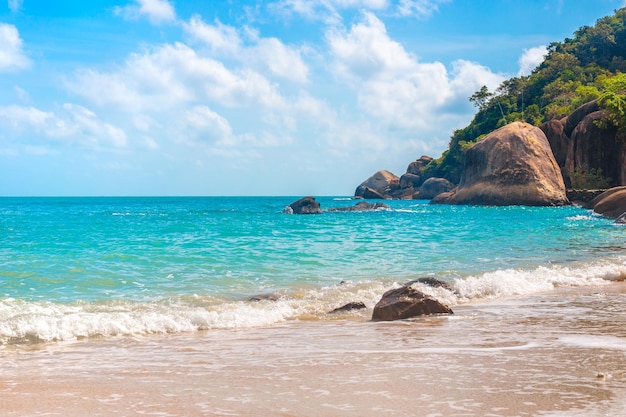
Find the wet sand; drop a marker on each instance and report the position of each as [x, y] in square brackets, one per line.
[561, 353]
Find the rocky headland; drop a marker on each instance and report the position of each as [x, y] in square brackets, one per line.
[570, 159]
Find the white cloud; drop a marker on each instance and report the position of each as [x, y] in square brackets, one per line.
[15, 5]
[263, 54]
[397, 89]
[219, 37]
[531, 58]
[157, 11]
[12, 56]
[76, 125]
[173, 75]
[329, 11]
[367, 51]
[468, 77]
[419, 8]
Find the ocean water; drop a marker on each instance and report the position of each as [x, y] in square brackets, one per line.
[141, 306]
[75, 268]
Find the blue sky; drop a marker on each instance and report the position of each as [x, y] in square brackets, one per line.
[278, 97]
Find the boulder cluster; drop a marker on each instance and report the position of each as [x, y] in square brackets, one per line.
[611, 204]
[520, 164]
[412, 185]
[583, 145]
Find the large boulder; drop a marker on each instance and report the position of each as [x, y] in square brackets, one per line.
[590, 156]
[380, 185]
[578, 115]
[417, 167]
[405, 302]
[611, 203]
[306, 205]
[410, 180]
[432, 187]
[595, 152]
[513, 165]
[559, 142]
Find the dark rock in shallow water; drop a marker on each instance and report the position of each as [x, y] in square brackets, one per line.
[362, 206]
[405, 302]
[611, 203]
[306, 205]
[431, 282]
[349, 307]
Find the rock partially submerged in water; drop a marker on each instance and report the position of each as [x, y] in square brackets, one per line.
[611, 203]
[306, 205]
[362, 206]
[349, 307]
[406, 302]
[431, 282]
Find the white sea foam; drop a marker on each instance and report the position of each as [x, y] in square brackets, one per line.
[514, 282]
[31, 322]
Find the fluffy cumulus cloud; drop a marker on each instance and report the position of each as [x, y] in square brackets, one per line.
[72, 124]
[531, 58]
[157, 11]
[250, 49]
[393, 85]
[172, 75]
[12, 56]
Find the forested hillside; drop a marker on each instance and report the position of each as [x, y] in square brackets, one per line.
[589, 66]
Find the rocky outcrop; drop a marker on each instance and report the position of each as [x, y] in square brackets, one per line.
[513, 165]
[406, 302]
[385, 185]
[611, 203]
[595, 157]
[362, 206]
[306, 205]
[379, 186]
[432, 187]
[595, 148]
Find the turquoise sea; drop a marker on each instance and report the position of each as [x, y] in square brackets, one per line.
[76, 268]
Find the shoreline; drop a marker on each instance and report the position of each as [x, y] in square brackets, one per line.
[556, 353]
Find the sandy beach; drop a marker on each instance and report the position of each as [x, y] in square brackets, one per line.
[560, 353]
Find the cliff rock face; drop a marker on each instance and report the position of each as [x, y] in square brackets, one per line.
[588, 148]
[513, 165]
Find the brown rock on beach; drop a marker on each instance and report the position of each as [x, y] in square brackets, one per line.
[406, 302]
